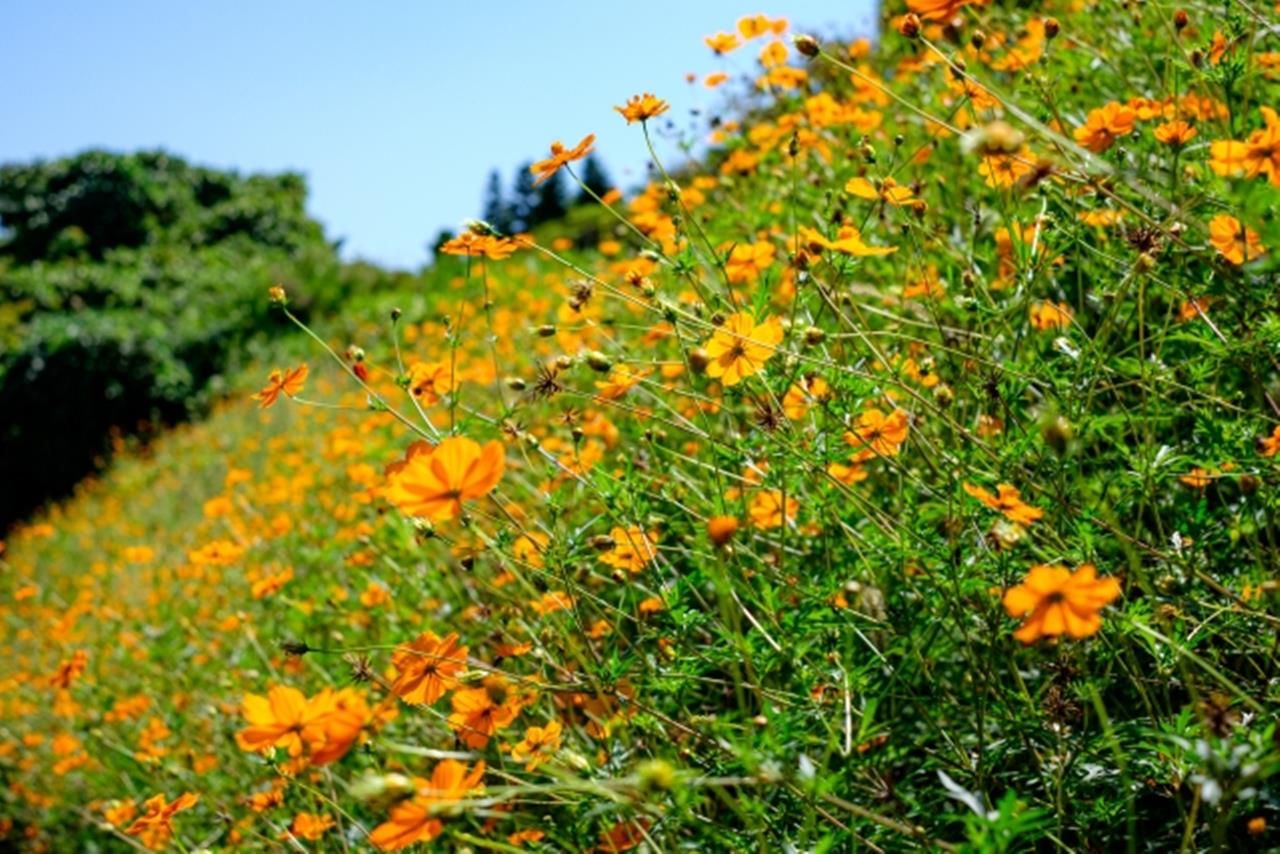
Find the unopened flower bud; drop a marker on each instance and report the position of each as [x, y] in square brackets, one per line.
[1051, 28]
[909, 26]
[656, 775]
[1057, 433]
[721, 529]
[807, 45]
[698, 360]
[598, 362]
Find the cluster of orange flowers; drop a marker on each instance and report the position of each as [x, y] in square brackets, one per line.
[316, 730]
[703, 386]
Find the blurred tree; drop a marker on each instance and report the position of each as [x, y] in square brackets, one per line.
[523, 197]
[496, 212]
[442, 237]
[596, 179]
[87, 205]
[132, 283]
[549, 203]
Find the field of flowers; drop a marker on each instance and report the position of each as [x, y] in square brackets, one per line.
[900, 476]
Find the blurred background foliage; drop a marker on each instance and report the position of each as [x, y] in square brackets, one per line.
[130, 286]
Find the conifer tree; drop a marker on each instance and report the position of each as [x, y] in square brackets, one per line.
[523, 197]
[595, 178]
[496, 212]
[550, 203]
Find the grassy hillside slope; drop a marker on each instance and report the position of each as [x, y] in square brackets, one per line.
[901, 477]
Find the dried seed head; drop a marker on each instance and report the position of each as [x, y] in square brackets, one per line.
[361, 669]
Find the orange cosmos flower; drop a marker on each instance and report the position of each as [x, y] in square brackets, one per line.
[848, 241]
[1234, 241]
[753, 26]
[529, 547]
[342, 724]
[427, 667]
[433, 484]
[848, 474]
[747, 261]
[773, 55]
[539, 745]
[936, 10]
[154, 827]
[476, 245]
[308, 826]
[1268, 446]
[414, 820]
[620, 381]
[1055, 601]
[632, 549]
[1104, 125]
[522, 836]
[120, 813]
[878, 434]
[797, 400]
[1049, 315]
[741, 347]
[640, 108]
[561, 156]
[1257, 155]
[887, 190]
[68, 671]
[1176, 133]
[722, 43]
[1005, 170]
[429, 381]
[1008, 502]
[722, 528]
[478, 713]
[622, 836]
[288, 382]
[284, 718]
[769, 510]
[927, 285]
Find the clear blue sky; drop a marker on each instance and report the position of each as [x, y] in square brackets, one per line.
[395, 111]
